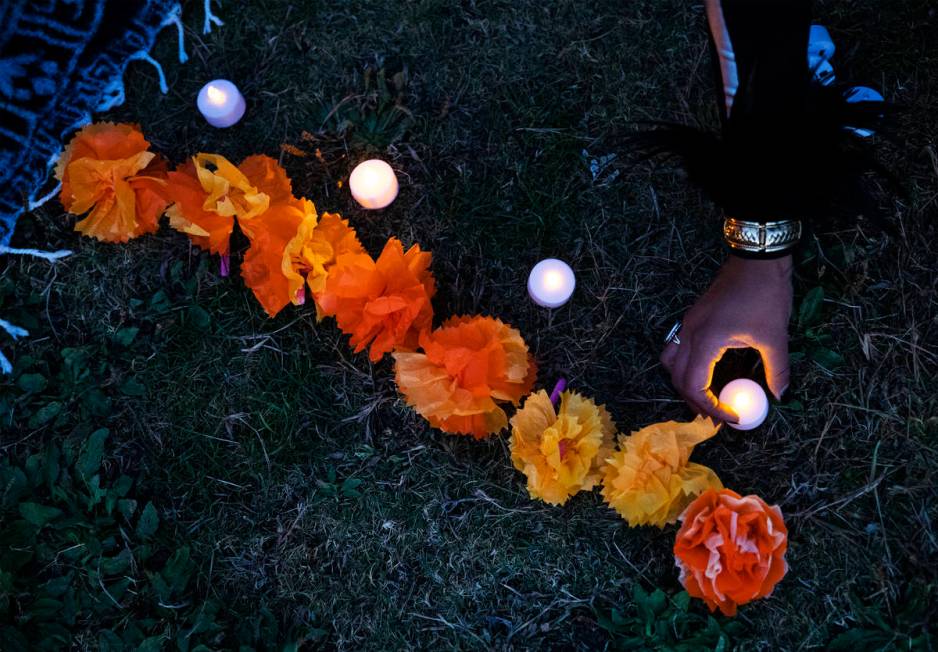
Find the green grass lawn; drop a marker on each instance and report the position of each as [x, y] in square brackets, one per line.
[293, 494]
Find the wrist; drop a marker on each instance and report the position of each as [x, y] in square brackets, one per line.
[765, 268]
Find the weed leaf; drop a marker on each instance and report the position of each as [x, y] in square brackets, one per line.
[39, 515]
[125, 336]
[809, 314]
[149, 521]
[32, 383]
[90, 459]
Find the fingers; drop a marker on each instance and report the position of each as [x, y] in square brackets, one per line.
[669, 355]
[691, 366]
[775, 359]
[695, 382]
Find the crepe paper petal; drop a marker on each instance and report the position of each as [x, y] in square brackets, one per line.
[649, 480]
[107, 172]
[730, 549]
[102, 141]
[269, 177]
[229, 191]
[560, 451]
[263, 267]
[150, 192]
[295, 263]
[207, 193]
[206, 229]
[467, 367]
[383, 303]
[314, 251]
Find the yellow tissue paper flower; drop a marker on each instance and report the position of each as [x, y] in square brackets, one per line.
[229, 190]
[560, 451]
[208, 192]
[649, 480]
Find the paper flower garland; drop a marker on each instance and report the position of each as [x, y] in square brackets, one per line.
[731, 549]
[107, 169]
[468, 366]
[649, 480]
[560, 451]
[459, 376]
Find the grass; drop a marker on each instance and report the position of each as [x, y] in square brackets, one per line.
[295, 474]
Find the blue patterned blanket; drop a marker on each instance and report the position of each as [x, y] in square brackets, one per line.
[61, 61]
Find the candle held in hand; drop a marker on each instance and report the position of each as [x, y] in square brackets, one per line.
[551, 283]
[373, 184]
[748, 400]
[220, 103]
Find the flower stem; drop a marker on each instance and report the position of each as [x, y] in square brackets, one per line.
[558, 388]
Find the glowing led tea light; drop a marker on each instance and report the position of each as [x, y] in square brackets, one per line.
[221, 103]
[373, 184]
[551, 283]
[748, 400]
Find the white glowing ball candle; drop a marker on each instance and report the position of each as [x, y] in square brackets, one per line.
[221, 103]
[551, 283]
[373, 184]
[748, 400]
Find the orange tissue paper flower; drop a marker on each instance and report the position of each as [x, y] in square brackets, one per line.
[560, 451]
[263, 267]
[383, 303]
[269, 177]
[467, 367]
[270, 232]
[107, 169]
[313, 252]
[649, 480]
[207, 193]
[731, 549]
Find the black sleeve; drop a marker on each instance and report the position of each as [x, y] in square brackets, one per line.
[782, 154]
[761, 53]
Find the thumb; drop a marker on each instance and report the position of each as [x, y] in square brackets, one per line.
[777, 369]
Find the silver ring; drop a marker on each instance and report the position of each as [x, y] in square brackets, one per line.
[672, 337]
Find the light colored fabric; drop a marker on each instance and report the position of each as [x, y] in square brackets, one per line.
[724, 47]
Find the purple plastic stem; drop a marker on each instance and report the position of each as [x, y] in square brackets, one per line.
[558, 388]
[224, 265]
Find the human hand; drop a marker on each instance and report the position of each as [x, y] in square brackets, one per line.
[748, 305]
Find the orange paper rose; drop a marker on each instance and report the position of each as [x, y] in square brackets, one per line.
[730, 549]
[207, 193]
[107, 169]
[467, 367]
[560, 451]
[384, 303]
[649, 480]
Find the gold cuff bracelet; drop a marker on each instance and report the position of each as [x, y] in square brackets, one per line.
[761, 237]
